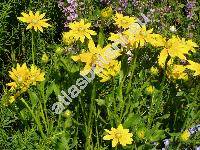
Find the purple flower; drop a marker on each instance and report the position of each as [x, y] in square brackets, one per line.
[190, 4]
[135, 3]
[190, 9]
[105, 2]
[122, 5]
[69, 9]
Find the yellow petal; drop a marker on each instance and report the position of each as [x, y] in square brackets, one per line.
[114, 142]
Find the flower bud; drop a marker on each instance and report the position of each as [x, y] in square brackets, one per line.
[45, 58]
[150, 89]
[185, 136]
[67, 113]
[59, 50]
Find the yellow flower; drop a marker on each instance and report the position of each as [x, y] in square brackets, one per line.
[150, 89]
[103, 59]
[24, 77]
[13, 85]
[108, 70]
[138, 36]
[156, 40]
[80, 30]
[20, 75]
[89, 58]
[118, 39]
[124, 21]
[194, 67]
[119, 135]
[68, 38]
[163, 57]
[34, 21]
[185, 136]
[106, 12]
[154, 70]
[177, 72]
[36, 75]
[11, 99]
[176, 47]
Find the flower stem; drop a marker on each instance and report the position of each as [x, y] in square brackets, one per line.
[33, 47]
[35, 118]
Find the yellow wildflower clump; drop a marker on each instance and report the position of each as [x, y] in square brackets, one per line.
[24, 77]
[118, 38]
[103, 59]
[177, 72]
[78, 30]
[67, 38]
[194, 67]
[185, 136]
[108, 70]
[139, 36]
[119, 135]
[34, 21]
[106, 12]
[124, 21]
[176, 47]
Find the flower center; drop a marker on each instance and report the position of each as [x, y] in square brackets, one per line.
[19, 79]
[118, 135]
[32, 78]
[34, 21]
[123, 22]
[81, 29]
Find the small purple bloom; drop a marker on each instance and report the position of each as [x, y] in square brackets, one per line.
[122, 5]
[105, 2]
[190, 6]
[69, 9]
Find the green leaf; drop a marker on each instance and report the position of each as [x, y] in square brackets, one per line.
[100, 102]
[56, 89]
[34, 98]
[164, 116]
[69, 65]
[101, 37]
[50, 90]
[157, 135]
[132, 120]
[181, 5]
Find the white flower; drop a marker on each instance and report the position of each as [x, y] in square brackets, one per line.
[172, 29]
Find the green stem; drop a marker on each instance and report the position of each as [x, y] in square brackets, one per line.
[35, 118]
[43, 116]
[132, 69]
[101, 37]
[92, 108]
[33, 47]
